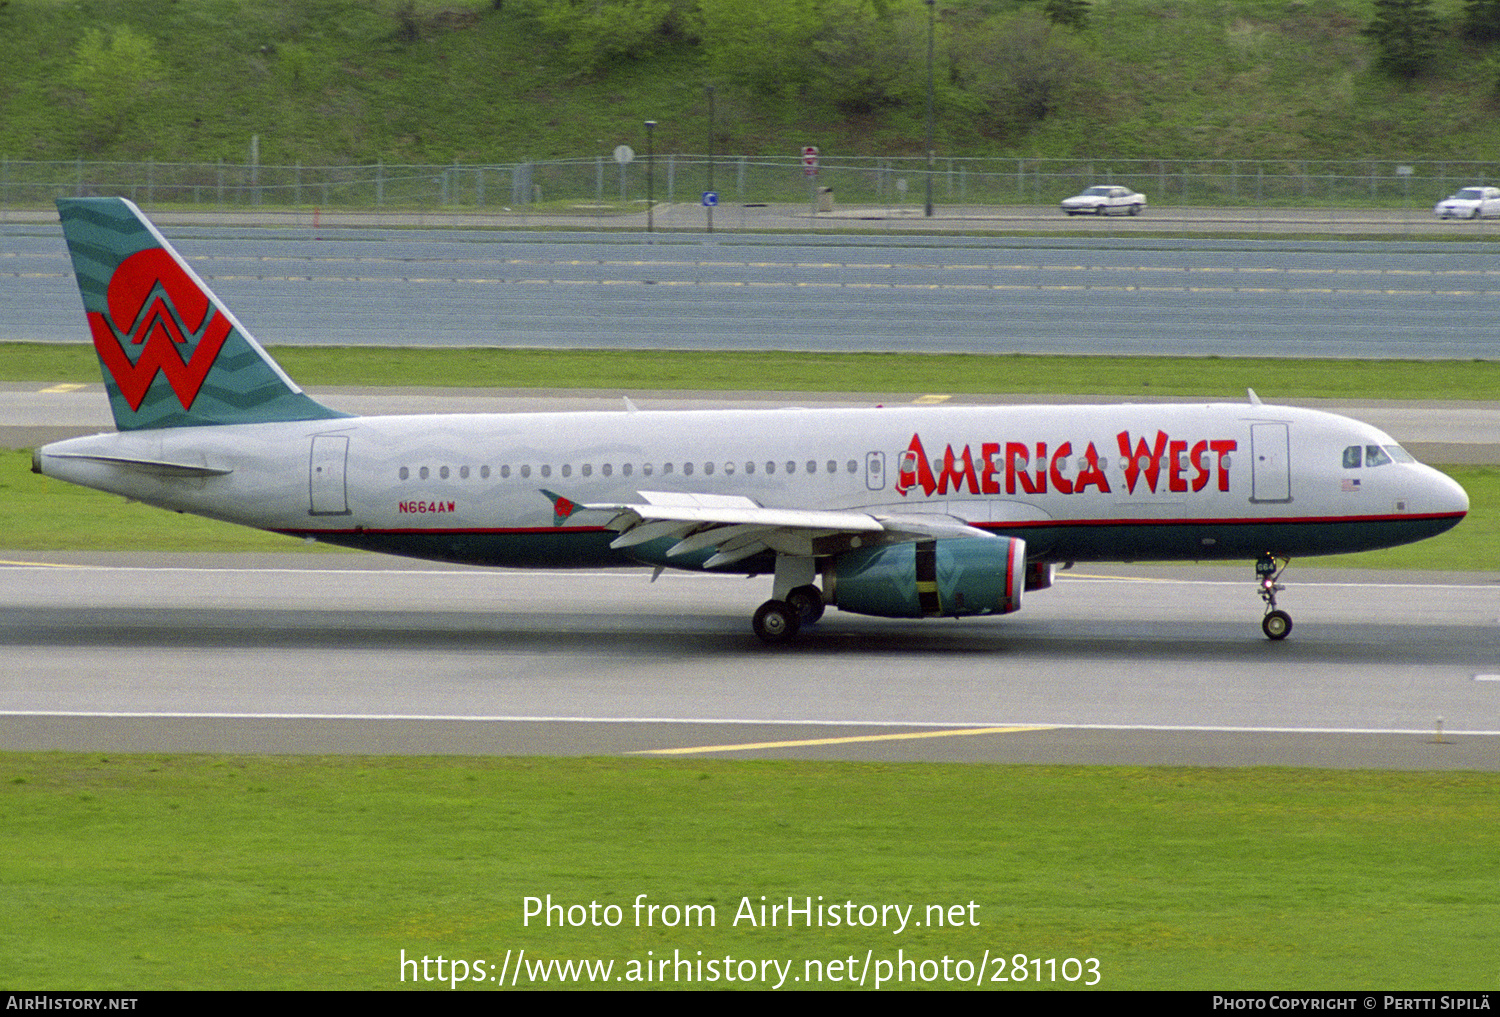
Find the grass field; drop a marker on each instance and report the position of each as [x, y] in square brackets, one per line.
[632, 371]
[316, 872]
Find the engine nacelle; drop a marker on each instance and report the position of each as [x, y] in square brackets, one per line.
[970, 575]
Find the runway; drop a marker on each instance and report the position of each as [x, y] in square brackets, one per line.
[353, 653]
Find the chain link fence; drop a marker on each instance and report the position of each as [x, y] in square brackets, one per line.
[601, 184]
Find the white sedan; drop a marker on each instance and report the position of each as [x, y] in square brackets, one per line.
[1470, 203]
[1105, 199]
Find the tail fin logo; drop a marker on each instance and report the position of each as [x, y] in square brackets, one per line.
[158, 309]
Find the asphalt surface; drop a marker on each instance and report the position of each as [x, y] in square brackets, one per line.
[1105, 288]
[354, 653]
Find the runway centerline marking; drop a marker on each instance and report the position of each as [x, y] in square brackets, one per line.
[44, 565]
[802, 743]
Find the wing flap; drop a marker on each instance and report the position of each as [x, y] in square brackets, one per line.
[735, 527]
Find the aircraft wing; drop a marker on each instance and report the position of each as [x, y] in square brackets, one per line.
[737, 527]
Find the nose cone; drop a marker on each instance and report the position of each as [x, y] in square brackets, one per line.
[1443, 497]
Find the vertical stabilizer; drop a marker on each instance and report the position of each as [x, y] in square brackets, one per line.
[171, 352]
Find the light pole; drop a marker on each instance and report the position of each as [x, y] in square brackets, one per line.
[650, 177]
[710, 154]
[931, 19]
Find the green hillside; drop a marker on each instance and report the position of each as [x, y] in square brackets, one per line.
[355, 81]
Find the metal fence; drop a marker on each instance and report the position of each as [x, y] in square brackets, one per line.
[600, 183]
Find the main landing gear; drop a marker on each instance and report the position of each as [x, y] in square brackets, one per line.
[794, 602]
[1276, 624]
[779, 621]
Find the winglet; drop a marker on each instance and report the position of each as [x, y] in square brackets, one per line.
[562, 507]
[630, 407]
[1254, 399]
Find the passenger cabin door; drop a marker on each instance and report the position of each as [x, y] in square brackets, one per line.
[1270, 463]
[328, 489]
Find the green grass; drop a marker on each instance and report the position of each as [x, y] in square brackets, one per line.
[645, 371]
[128, 872]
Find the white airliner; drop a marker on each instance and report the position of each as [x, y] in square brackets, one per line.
[897, 512]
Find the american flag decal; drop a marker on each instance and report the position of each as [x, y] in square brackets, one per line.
[1350, 485]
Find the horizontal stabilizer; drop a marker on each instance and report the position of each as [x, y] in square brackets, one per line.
[158, 467]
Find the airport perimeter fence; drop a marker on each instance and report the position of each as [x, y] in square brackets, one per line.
[600, 184]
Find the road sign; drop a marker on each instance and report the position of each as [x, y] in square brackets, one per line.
[810, 160]
[710, 199]
[624, 154]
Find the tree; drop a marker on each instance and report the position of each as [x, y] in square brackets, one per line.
[765, 45]
[1405, 32]
[1019, 70]
[1482, 21]
[116, 71]
[1072, 13]
[596, 32]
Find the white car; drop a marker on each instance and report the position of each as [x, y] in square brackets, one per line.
[1470, 203]
[1105, 199]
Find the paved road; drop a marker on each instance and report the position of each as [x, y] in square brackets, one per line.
[354, 653]
[1108, 292]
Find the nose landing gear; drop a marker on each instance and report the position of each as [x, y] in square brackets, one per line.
[1276, 624]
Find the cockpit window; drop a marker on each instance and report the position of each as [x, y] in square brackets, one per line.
[1375, 455]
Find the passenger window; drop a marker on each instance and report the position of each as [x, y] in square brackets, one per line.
[1375, 456]
[812, 466]
[405, 472]
[687, 469]
[422, 473]
[587, 469]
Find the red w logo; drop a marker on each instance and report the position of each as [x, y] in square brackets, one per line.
[159, 306]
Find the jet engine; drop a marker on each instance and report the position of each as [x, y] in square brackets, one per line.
[962, 576]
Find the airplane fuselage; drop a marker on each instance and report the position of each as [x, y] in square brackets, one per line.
[1077, 483]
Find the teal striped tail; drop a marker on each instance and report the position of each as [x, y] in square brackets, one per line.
[171, 352]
